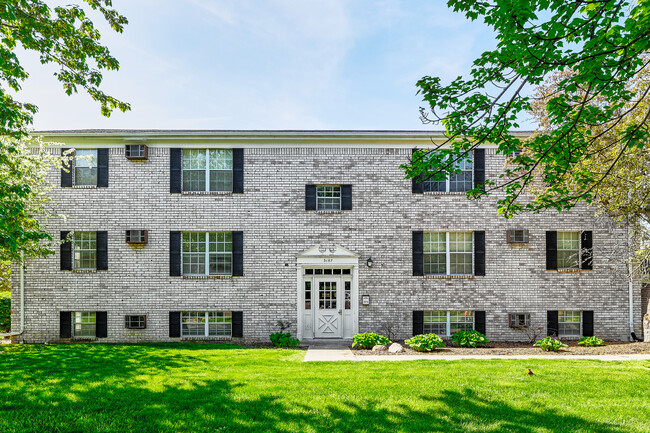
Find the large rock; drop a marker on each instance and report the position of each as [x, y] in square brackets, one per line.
[395, 348]
[379, 348]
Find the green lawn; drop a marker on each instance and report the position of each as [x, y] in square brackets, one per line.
[222, 388]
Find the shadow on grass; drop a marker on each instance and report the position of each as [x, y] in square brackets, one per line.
[91, 362]
[134, 388]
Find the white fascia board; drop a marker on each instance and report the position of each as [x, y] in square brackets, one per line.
[248, 139]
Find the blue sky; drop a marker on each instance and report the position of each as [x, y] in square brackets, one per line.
[265, 64]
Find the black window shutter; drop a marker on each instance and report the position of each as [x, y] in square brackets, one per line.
[479, 321]
[66, 176]
[102, 168]
[551, 250]
[479, 169]
[346, 197]
[174, 254]
[552, 323]
[417, 186]
[101, 324]
[66, 253]
[479, 252]
[102, 251]
[237, 254]
[587, 323]
[238, 171]
[175, 172]
[65, 324]
[238, 324]
[418, 322]
[418, 253]
[310, 197]
[174, 324]
[586, 252]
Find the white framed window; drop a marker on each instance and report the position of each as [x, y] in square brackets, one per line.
[447, 323]
[312, 293]
[207, 253]
[206, 323]
[84, 323]
[568, 250]
[328, 197]
[85, 250]
[85, 167]
[568, 324]
[208, 170]
[448, 253]
[462, 181]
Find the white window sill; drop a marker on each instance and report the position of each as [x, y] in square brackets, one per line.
[83, 339]
[569, 270]
[209, 338]
[449, 277]
[84, 186]
[207, 277]
[329, 211]
[444, 193]
[206, 192]
[84, 271]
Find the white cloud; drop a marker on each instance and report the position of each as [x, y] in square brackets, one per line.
[281, 64]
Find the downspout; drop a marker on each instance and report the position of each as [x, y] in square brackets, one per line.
[630, 294]
[22, 299]
[630, 275]
[630, 285]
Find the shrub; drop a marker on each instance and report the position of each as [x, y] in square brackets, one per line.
[550, 344]
[5, 311]
[425, 342]
[283, 339]
[469, 338]
[368, 340]
[591, 341]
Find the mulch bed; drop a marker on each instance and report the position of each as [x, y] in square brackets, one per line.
[496, 348]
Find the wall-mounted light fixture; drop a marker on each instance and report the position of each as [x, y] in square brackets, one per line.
[369, 262]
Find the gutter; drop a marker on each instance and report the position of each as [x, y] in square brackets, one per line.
[22, 299]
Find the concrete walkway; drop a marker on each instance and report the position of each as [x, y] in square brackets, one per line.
[329, 351]
[340, 351]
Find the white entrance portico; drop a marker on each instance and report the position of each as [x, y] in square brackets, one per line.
[328, 287]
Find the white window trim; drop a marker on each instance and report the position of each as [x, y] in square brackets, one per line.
[448, 323]
[206, 328]
[74, 247]
[74, 322]
[207, 256]
[448, 181]
[340, 207]
[448, 252]
[207, 170]
[579, 258]
[92, 164]
[579, 324]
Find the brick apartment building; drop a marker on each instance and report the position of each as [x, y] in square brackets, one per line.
[177, 235]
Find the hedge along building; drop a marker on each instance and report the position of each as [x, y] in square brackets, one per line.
[176, 235]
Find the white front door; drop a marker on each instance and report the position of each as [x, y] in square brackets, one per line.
[329, 304]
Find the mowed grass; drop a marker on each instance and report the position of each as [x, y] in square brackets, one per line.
[223, 388]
